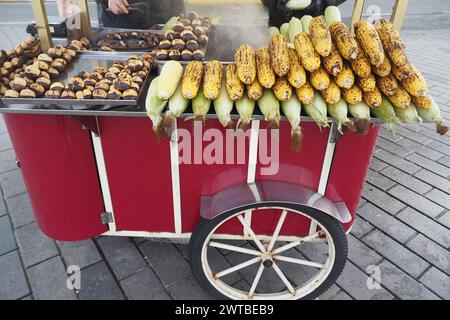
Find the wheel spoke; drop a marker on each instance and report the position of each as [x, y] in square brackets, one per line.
[283, 278]
[256, 280]
[251, 233]
[234, 248]
[296, 243]
[238, 267]
[277, 230]
[300, 261]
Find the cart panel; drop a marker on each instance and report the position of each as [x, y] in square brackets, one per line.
[67, 206]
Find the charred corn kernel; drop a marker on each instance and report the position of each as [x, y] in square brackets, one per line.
[401, 98]
[361, 65]
[384, 69]
[266, 75]
[235, 88]
[344, 40]
[282, 89]
[402, 73]
[423, 102]
[392, 42]
[255, 90]
[345, 78]
[305, 49]
[297, 74]
[246, 64]
[279, 55]
[352, 95]
[388, 85]
[370, 42]
[373, 99]
[416, 85]
[212, 80]
[320, 79]
[320, 36]
[367, 84]
[306, 93]
[192, 79]
[333, 64]
[332, 94]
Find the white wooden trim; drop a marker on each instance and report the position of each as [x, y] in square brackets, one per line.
[175, 171]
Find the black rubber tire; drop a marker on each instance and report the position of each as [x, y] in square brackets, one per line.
[333, 227]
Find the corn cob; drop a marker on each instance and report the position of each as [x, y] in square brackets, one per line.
[384, 69]
[332, 94]
[352, 95]
[266, 75]
[305, 49]
[388, 85]
[245, 62]
[279, 55]
[320, 79]
[370, 42]
[333, 64]
[361, 66]
[255, 90]
[320, 36]
[373, 99]
[392, 42]
[344, 40]
[345, 78]
[367, 84]
[170, 76]
[404, 72]
[212, 80]
[270, 107]
[235, 88]
[416, 85]
[306, 93]
[192, 79]
[423, 102]
[401, 98]
[282, 89]
[296, 75]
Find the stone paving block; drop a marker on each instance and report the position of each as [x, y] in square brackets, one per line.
[144, 285]
[97, 283]
[20, 210]
[432, 252]
[434, 180]
[406, 180]
[413, 134]
[445, 161]
[441, 147]
[7, 161]
[7, 241]
[12, 183]
[418, 148]
[404, 287]
[81, 253]
[30, 297]
[397, 162]
[330, 293]
[5, 142]
[394, 148]
[438, 282]
[445, 219]
[441, 198]
[426, 226]
[416, 201]
[382, 199]
[395, 252]
[342, 296]
[360, 227]
[188, 289]
[49, 281]
[384, 221]
[34, 245]
[13, 283]
[429, 165]
[122, 255]
[354, 282]
[379, 180]
[361, 255]
[385, 134]
[3, 210]
[168, 263]
[2, 125]
[377, 164]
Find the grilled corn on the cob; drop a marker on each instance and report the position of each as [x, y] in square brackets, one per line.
[234, 86]
[212, 80]
[246, 64]
[266, 75]
[279, 55]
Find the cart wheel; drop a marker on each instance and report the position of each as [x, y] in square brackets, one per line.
[258, 263]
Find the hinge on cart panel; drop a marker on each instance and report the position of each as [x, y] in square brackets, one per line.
[106, 217]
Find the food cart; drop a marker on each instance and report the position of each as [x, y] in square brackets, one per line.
[94, 170]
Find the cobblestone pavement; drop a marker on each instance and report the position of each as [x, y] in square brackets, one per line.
[403, 224]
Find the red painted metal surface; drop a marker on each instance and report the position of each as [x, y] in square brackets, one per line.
[60, 174]
[139, 174]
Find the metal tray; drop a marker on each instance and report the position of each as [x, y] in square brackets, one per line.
[88, 61]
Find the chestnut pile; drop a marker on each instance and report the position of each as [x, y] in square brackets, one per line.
[128, 40]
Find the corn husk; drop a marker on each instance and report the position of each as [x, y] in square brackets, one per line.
[361, 113]
[317, 110]
[223, 106]
[245, 107]
[292, 109]
[200, 107]
[270, 107]
[408, 114]
[339, 111]
[434, 115]
[386, 112]
[155, 106]
[177, 106]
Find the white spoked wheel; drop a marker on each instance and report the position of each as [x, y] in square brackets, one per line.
[268, 260]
